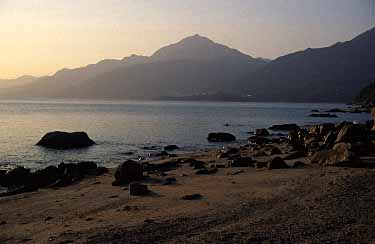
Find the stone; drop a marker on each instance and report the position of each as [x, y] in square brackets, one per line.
[137, 189]
[339, 155]
[284, 127]
[46, 177]
[128, 172]
[18, 176]
[65, 140]
[241, 162]
[262, 132]
[171, 148]
[352, 134]
[192, 197]
[221, 137]
[277, 163]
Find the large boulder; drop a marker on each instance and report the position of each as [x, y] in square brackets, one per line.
[46, 177]
[221, 137]
[65, 140]
[127, 172]
[284, 127]
[352, 134]
[341, 154]
[18, 176]
[277, 163]
[262, 132]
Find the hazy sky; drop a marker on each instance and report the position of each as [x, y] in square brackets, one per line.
[39, 37]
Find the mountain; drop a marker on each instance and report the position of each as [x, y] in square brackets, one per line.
[194, 65]
[334, 73]
[20, 81]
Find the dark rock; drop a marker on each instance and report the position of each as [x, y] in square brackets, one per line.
[260, 165]
[206, 171]
[196, 164]
[373, 118]
[321, 130]
[192, 197]
[128, 172]
[274, 151]
[18, 176]
[46, 177]
[162, 154]
[137, 189]
[315, 111]
[101, 170]
[336, 110]
[169, 181]
[277, 163]
[259, 140]
[221, 137]
[284, 127]
[352, 133]
[296, 155]
[65, 140]
[323, 115]
[171, 147]
[298, 164]
[262, 132]
[242, 162]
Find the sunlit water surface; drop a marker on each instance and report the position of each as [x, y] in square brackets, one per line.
[122, 126]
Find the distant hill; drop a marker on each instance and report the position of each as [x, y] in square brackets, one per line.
[196, 65]
[367, 94]
[193, 65]
[20, 81]
[335, 73]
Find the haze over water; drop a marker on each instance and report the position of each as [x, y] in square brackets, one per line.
[122, 126]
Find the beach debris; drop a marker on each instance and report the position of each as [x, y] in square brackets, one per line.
[65, 140]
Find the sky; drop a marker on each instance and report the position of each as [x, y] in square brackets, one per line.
[39, 37]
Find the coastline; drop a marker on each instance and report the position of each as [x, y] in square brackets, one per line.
[258, 203]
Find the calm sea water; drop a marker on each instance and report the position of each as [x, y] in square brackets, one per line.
[122, 126]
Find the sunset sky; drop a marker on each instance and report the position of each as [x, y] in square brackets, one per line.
[39, 37]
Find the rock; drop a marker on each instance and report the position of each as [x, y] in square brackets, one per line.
[221, 137]
[321, 130]
[262, 132]
[284, 127]
[329, 139]
[336, 110]
[192, 197]
[277, 163]
[169, 181]
[18, 176]
[137, 189]
[323, 115]
[352, 134]
[162, 154]
[206, 171]
[373, 117]
[259, 140]
[46, 177]
[65, 140]
[315, 111]
[242, 162]
[101, 170]
[339, 155]
[196, 164]
[298, 164]
[160, 167]
[86, 167]
[274, 151]
[295, 155]
[128, 172]
[171, 147]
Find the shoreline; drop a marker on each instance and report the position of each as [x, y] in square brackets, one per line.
[269, 189]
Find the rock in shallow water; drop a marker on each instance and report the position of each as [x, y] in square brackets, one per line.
[221, 137]
[66, 140]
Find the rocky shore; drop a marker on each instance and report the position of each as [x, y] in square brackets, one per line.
[287, 184]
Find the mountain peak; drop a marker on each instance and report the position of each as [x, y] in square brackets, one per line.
[194, 47]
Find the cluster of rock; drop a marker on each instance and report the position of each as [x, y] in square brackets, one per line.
[20, 179]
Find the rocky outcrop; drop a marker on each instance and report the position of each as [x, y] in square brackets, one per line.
[338, 156]
[171, 147]
[277, 163]
[262, 132]
[127, 172]
[221, 137]
[284, 127]
[65, 140]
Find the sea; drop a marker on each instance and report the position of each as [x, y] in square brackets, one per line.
[138, 129]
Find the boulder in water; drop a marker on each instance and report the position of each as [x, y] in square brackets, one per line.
[221, 137]
[65, 140]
